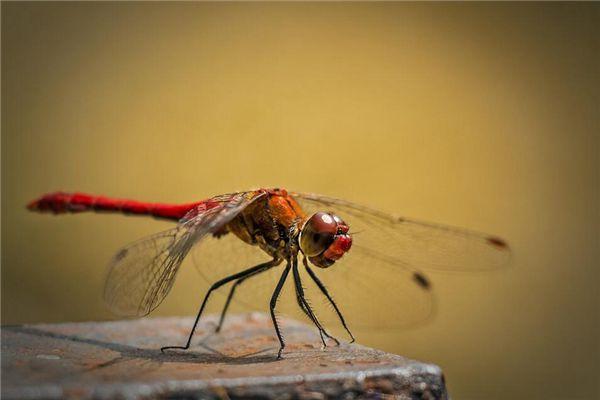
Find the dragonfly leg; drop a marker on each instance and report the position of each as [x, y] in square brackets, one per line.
[273, 303]
[215, 286]
[232, 291]
[305, 311]
[326, 293]
[306, 307]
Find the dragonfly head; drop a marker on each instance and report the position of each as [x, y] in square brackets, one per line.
[324, 239]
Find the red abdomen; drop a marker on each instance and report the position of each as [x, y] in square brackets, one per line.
[61, 202]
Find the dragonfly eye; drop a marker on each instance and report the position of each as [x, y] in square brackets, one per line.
[317, 234]
[325, 239]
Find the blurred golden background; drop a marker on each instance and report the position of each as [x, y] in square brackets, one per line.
[476, 115]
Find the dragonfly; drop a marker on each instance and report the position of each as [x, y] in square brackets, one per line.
[336, 250]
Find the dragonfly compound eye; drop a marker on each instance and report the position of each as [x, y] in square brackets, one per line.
[317, 234]
[325, 239]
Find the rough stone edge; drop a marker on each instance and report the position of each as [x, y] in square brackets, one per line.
[403, 382]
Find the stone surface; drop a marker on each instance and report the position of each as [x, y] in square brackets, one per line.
[122, 360]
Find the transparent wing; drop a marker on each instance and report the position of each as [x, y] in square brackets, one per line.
[379, 283]
[370, 293]
[141, 274]
[409, 243]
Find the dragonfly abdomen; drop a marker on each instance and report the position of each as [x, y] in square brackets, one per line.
[61, 202]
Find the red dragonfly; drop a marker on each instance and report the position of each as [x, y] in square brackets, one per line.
[376, 263]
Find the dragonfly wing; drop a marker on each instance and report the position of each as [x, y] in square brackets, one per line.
[138, 270]
[141, 274]
[371, 294]
[379, 283]
[359, 283]
[410, 243]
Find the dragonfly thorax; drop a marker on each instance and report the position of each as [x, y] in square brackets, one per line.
[278, 225]
[324, 239]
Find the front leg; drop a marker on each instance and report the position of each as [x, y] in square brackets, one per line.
[306, 307]
[305, 311]
[326, 293]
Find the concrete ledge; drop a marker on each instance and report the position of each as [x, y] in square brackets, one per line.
[122, 360]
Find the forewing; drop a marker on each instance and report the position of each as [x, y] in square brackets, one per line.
[142, 274]
[379, 283]
[409, 243]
